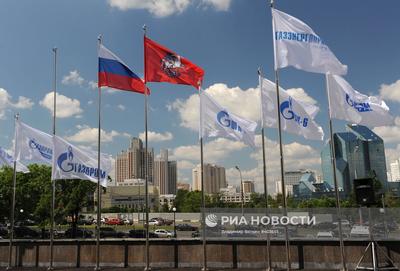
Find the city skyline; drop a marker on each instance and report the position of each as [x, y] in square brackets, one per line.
[240, 44]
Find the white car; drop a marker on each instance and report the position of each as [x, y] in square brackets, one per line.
[163, 233]
[325, 234]
[359, 231]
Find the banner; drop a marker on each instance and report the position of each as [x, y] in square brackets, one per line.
[295, 116]
[71, 162]
[7, 160]
[163, 65]
[215, 121]
[32, 145]
[348, 104]
[297, 45]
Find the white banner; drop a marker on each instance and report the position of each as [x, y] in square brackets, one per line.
[297, 45]
[350, 105]
[215, 121]
[7, 160]
[295, 118]
[32, 145]
[71, 162]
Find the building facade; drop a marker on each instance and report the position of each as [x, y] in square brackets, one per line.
[360, 153]
[165, 174]
[183, 186]
[214, 178]
[131, 163]
[248, 187]
[395, 171]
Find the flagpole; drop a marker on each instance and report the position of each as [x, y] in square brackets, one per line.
[283, 187]
[53, 183]
[16, 116]
[203, 200]
[337, 196]
[98, 175]
[264, 171]
[146, 158]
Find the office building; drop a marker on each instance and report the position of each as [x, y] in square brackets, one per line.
[395, 171]
[248, 187]
[130, 163]
[214, 178]
[231, 194]
[165, 174]
[360, 153]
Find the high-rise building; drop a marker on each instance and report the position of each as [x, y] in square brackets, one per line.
[360, 153]
[131, 163]
[395, 171]
[214, 178]
[291, 178]
[183, 186]
[165, 174]
[248, 187]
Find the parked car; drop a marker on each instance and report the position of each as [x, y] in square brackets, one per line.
[128, 221]
[325, 234]
[25, 232]
[141, 234]
[163, 233]
[79, 233]
[195, 234]
[185, 227]
[110, 232]
[84, 221]
[360, 231]
[114, 221]
[155, 222]
[3, 231]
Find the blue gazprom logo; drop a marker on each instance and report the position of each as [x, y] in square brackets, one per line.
[224, 119]
[288, 113]
[66, 164]
[44, 151]
[360, 107]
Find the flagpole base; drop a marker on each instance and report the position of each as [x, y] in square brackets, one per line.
[148, 268]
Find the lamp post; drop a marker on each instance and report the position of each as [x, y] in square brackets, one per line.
[241, 188]
[174, 210]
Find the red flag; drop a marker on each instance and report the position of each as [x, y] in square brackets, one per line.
[163, 65]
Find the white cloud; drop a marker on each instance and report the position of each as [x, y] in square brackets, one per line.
[300, 95]
[93, 85]
[185, 165]
[389, 134]
[6, 102]
[121, 107]
[219, 5]
[66, 107]
[391, 92]
[73, 79]
[164, 8]
[89, 135]
[156, 137]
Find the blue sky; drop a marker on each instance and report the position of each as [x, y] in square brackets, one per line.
[229, 39]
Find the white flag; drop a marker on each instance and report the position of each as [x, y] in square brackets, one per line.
[215, 121]
[348, 104]
[7, 160]
[295, 116]
[296, 44]
[70, 162]
[32, 145]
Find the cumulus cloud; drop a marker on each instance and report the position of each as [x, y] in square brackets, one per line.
[6, 102]
[244, 103]
[93, 85]
[164, 8]
[66, 107]
[73, 79]
[389, 134]
[391, 92]
[156, 137]
[89, 135]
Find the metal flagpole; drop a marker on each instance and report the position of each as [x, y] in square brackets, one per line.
[264, 172]
[203, 200]
[283, 187]
[53, 183]
[146, 159]
[98, 176]
[13, 202]
[333, 158]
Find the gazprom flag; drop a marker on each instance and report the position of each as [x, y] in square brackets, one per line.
[295, 116]
[32, 145]
[215, 121]
[297, 45]
[7, 160]
[349, 104]
[71, 162]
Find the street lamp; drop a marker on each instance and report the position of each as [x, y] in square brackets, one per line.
[241, 187]
[174, 210]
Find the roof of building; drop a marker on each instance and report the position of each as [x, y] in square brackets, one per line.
[363, 132]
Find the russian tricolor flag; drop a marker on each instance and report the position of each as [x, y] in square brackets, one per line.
[114, 73]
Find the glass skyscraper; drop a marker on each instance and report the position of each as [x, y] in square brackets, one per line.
[360, 153]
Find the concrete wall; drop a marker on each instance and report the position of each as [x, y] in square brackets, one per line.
[188, 253]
